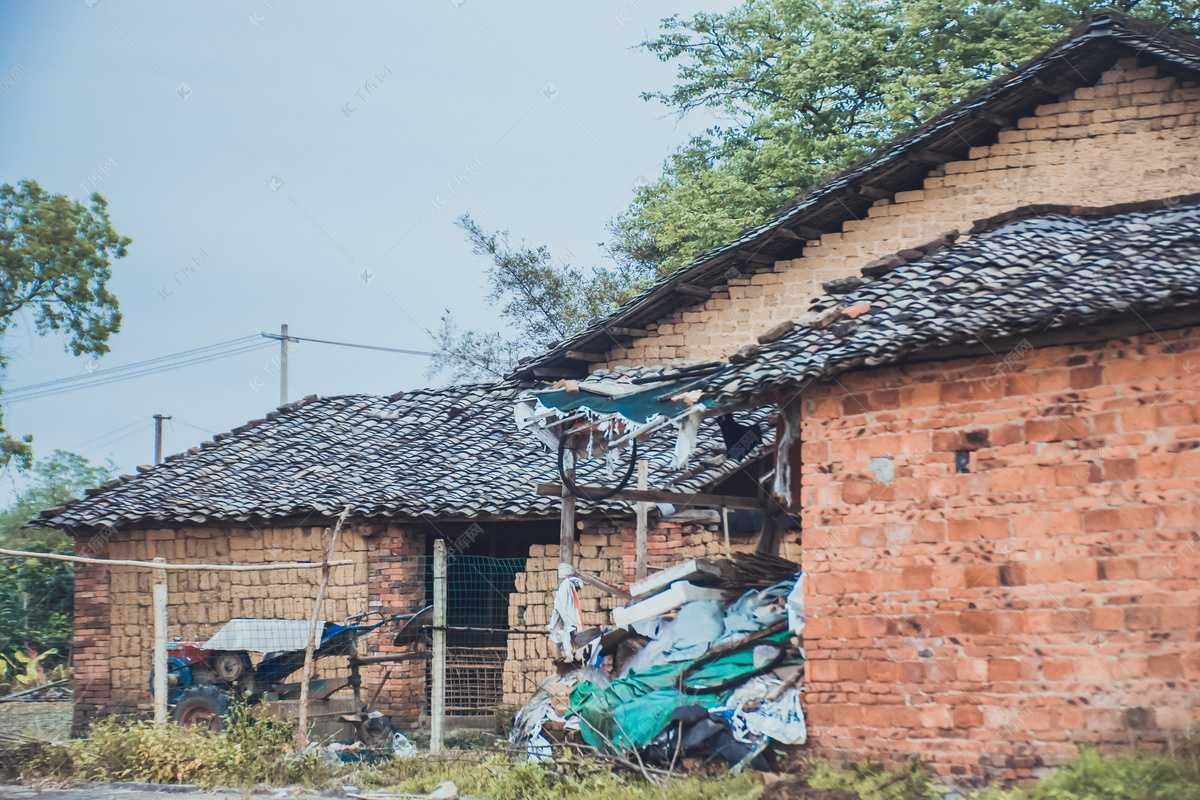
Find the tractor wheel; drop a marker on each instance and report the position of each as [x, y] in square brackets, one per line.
[202, 707]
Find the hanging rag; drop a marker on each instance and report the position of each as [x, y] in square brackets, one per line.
[567, 615]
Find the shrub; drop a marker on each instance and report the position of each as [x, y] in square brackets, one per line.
[252, 749]
[1127, 776]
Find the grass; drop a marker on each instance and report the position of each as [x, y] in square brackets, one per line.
[252, 751]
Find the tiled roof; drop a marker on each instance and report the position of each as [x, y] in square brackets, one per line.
[1026, 272]
[1078, 60]
[453, 452]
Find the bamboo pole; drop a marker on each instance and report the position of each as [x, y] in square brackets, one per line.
[160, 643]
[437, 711]
[306, 675]
[725, 522]
[120, 562]
[566, 526]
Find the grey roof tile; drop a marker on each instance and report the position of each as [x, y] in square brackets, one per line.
[1058, 267]
[452, 452]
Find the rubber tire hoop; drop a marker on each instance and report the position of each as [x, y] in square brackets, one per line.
[573, 487]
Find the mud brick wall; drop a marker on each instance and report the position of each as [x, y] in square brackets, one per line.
[396, 577]
[199, 603]
[605, 548]
[990, 619]
[530, 660]
[1132, 136]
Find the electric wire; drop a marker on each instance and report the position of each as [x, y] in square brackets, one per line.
[135, 370]
[278, 336]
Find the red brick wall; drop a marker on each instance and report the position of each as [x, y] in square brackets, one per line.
[395, 580]
[989, 620]
[92, 679]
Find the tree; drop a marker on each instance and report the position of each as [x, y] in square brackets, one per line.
[56, 255]
[37, 595]
[542, 299]
[802, 88]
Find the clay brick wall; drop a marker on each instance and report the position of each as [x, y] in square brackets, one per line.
[1133, 136]
[397, 586]
[199, 603]
[1002, 559]
[92, 644]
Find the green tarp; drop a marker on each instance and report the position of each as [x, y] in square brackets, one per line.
[631, 711]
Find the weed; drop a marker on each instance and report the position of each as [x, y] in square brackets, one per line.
[1128, 776]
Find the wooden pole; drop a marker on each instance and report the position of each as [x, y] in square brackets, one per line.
[160, 644]
[643, 511]
[725, 521]
[437, 712]
[566, 527]
[306, 675]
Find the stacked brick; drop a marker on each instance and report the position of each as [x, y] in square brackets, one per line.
[1080, 150]
[199, 603]
[1025, 574]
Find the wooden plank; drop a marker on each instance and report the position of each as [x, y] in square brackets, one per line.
[591, 358]
[603, 585]
[696, 567]
[788, 233]
[692, 290]
[661, 496]
[1053, 85]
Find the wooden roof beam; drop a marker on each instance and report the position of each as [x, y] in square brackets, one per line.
[873, 192]
[755, 257]
[998, 120]
[1053, 85]
[591, 358]
[693, 290]
[661, 496]
[633, 333]
[930, 157]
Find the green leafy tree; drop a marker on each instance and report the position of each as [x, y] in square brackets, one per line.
[55, 262]
[37, 595]
[801, 88]
[542, 299]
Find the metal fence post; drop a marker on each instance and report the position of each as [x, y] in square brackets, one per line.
[160, 643]
[437, 723]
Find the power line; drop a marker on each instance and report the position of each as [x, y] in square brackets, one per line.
[137, 369]
[277, 336]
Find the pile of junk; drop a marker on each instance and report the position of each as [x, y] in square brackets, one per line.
[703, 663]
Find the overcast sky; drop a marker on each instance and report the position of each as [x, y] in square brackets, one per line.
[298, 162]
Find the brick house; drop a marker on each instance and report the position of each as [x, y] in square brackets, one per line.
[993, 449]
[435, 463]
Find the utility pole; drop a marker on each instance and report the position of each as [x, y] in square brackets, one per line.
[158, 420]
[283, 355]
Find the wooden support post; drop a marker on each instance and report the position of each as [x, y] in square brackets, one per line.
[306, 674]
[769, 536]
[566, 527]
[160, 644]
[643, 511]
[725, 522]
[437, 721]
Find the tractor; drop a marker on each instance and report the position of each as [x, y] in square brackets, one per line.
[204, 678]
